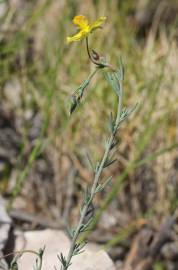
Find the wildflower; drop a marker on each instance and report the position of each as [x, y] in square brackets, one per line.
[85, 27]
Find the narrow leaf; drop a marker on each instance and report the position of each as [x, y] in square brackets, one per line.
[109, 162]
[114, 144]
[90, 162]
[101, 187]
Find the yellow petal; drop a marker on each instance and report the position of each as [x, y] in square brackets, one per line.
[80, 35]
[97, 23]
[81, 21]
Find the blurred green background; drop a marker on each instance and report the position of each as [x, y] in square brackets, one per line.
[43, 164]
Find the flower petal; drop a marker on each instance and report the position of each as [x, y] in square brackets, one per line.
[80, 35]
[97, 23]
[81, 21]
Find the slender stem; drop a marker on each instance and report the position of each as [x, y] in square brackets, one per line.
[40, 264]
[77, 232]
[89, 54]
[92, 74]
[102, 163]
[101, 65]
[95, 183]
[20, 253]
[87, 80]
[85, 208]
[88, 50]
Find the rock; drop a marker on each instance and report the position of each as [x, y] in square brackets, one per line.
[170, 251]
[12, 92]
[5, 224]
[55, 242]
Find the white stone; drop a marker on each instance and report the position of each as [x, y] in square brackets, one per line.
[5, 224]
[55, 242]
[12, 91]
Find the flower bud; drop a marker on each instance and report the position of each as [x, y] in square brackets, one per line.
[95, 55]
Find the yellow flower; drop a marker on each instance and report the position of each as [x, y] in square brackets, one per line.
[85, 27]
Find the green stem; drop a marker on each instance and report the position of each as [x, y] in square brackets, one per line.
[97, 177]
[89, 54]
[20, 253]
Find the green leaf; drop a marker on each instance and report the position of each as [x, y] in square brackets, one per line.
[109, 162]
[120, 71]
[114, 144]
[78, 249]
[41, 252]
[73, 104]
[126, 112]
[84, 227]
[97, 167]
[87, 196]
[113, 81]
[101, 187]
[70, 232]
[63, 260]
